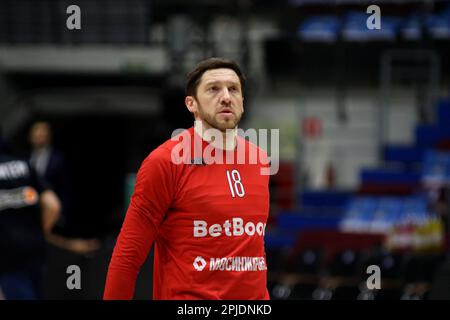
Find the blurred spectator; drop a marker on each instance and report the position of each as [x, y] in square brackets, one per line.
[28, 212]
[49, 164]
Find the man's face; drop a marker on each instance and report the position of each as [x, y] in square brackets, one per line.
[219, 101]
[40, 135]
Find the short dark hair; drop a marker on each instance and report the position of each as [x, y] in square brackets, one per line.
[195, 76]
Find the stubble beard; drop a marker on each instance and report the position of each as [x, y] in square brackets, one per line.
[211, 120]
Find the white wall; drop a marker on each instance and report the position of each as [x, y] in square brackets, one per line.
[402, 117]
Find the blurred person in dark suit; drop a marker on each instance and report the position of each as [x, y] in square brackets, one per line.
[49, 164]
[28, 212]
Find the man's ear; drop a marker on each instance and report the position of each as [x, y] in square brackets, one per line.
[190, 103]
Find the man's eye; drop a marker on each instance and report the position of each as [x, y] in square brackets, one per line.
[213, 89]
[233, 89]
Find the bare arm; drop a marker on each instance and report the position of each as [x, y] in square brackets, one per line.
[76, 245]
[51, 209]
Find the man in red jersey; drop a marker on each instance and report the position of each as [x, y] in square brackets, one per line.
[207, 218]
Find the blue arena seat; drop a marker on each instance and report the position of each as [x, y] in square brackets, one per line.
[430, 135]
[439, 26]
[389, 176]
[436, 167]
[443, 112]
[324, 198]
[411, 28]
[403, 153]
[320, 28]
[355, 28]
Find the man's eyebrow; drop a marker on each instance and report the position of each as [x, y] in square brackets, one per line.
[211, 82]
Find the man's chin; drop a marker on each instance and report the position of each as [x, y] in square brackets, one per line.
[222, 124]
[226, 126]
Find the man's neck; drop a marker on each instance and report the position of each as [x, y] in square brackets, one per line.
[227, 139]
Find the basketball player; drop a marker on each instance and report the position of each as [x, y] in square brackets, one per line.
[206, 218]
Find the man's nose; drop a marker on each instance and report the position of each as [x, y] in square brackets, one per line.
[225, 95]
